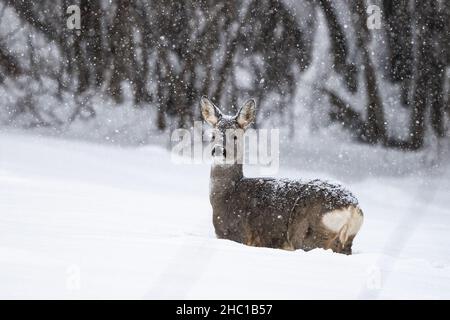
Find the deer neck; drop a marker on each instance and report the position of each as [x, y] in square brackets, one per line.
[224, 176]
[232, 172]
[223, 179]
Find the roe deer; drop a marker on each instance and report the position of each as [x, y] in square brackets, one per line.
[275, 213]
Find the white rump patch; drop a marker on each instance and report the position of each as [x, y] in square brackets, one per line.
[344, 222]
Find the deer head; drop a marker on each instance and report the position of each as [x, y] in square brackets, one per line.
[228, 131]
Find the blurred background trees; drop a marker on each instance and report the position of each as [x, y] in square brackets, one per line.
[385, 86]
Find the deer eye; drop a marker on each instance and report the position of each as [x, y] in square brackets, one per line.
[235, 138]
[213, 137]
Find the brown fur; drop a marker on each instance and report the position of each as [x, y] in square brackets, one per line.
[243, 213]
[272, 213]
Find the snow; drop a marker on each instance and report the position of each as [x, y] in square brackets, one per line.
[81, 220]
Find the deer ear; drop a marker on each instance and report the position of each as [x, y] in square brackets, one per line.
[210, 112]
[247, 114]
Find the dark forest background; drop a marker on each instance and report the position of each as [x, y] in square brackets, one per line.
[169, 53]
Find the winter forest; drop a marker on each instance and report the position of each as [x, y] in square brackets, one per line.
[91, 91]
[386, 81]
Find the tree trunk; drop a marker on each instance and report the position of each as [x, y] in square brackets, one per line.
[121, 47]
[339, 46]
[376, 125]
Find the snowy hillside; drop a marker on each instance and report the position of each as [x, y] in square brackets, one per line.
[80, 220]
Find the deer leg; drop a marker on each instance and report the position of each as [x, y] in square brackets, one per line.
[330, 242]
[342, 234]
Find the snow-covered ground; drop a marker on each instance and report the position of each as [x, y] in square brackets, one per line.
[81, 220]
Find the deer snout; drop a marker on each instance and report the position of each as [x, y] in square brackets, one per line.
[218, 150]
